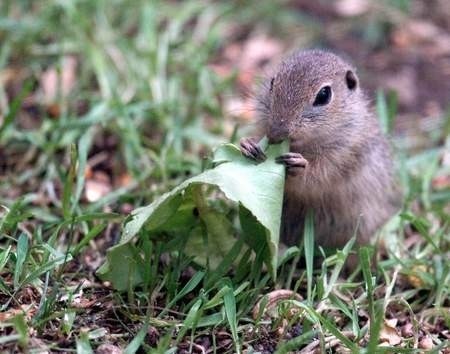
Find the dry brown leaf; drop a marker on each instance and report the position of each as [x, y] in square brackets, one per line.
[441, 182]
[125, 180]
[26, 310]
[426, 343]
[415, 280]
[350, 8]
[54, 83]
[389, 333]
[273, 298]
[391, 322]
[408, 330]
[84, 303]
[7, 315]
[108, 349]
[97, 187]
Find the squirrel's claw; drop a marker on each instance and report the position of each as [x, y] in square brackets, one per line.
[251, 149]
[293, 162]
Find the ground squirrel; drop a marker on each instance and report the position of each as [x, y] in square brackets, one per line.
[339, 163]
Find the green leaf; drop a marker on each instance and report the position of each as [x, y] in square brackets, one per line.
[21, 255]
[296, 343]
[191, 320]
[213, 249]
[68, 320]
[375, 313]
[387, 110]
[228, 259]
[83, 345]
[137, 341]
[4, 256]
[68, 184]
[252, 231]
[330, 326]
[341, 257]
[14, 214]
[309, 252]
[15, 106]
[257, 188]
[121, 267]
[22, 329]
[83, 148]
[50, 265]
[230, 311]
[191, 285]
[89, 237]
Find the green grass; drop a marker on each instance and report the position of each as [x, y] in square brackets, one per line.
[148, 107]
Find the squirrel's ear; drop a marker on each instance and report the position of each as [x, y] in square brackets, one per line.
[351, 80]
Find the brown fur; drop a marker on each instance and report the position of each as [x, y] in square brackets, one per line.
[349, 175]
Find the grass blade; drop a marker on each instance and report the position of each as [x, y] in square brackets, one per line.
[230, 311]
[191, 285]
[83, 149]
[191, 320]
[15, 106]
[83, 345]
[21, 255]
[375, 314]
[309, 252]
[135, 344]
[68, 184]
[88, 238]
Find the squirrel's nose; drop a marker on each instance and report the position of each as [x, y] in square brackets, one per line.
[277, 132]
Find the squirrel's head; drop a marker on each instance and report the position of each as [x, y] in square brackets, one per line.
[312, 93]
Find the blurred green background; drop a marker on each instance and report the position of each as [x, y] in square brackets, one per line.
[152, 85]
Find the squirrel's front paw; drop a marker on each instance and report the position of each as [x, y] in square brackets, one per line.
[293, 162]
[250, 148]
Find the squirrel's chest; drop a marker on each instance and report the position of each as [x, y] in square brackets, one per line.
[329, 194]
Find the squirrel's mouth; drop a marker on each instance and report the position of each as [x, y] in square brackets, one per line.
[275, 140]
[298, 145]
[295, 146]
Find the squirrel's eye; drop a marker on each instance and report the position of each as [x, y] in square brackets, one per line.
[323, 96]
